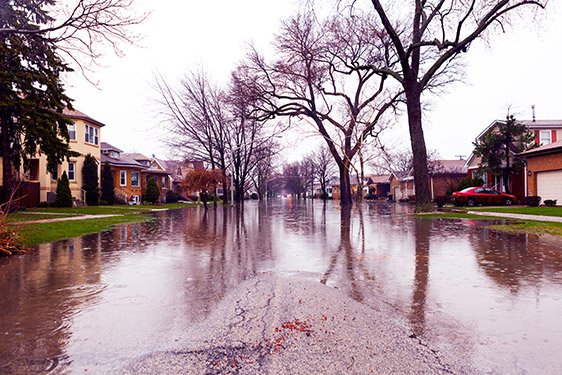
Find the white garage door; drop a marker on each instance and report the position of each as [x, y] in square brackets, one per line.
[549, 185]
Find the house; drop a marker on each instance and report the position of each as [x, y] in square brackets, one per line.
[444, 175]
[126, 173]
[400, 189]
[545, 132]
[154, 169]
[379, 185]
[41, 184]
[178, 171]
[543, 171]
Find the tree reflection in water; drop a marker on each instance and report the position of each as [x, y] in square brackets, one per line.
[422, 228]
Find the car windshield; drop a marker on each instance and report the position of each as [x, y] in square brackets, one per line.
[467, 190]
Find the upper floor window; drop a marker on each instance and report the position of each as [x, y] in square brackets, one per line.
[545, 137]
[72, 131]
[123, 178]
[71, 171]
[91, 134]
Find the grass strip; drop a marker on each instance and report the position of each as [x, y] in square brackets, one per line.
[541, 211]
[457, 215]
[32, 234]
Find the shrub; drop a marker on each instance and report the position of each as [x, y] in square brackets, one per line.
[532, 200]
[152, 193]
[440, 201]
[550, 202]
[64, 196]
[107, 184]
[469, 182]
[90, 181]
[173, 197]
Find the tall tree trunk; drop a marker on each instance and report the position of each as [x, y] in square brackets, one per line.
[8, 181]
[419, 151]
[345, 185]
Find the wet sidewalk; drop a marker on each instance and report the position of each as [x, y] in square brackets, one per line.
[555, 219]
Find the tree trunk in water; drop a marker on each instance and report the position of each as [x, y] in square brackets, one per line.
[419, 151]
[345, 186]
[7, 172]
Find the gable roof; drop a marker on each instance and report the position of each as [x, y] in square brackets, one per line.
[380, 179]
[107, 146]
[456, 166]
[123, 161]
[531, 124]
[75, 114]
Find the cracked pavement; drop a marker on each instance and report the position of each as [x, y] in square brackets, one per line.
[272, 324]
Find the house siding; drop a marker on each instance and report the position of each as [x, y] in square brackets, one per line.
[541, 163]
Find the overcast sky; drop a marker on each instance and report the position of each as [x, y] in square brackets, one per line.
[517, 69]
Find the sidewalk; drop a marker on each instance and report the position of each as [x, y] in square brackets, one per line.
[67, 218]
[554, 219]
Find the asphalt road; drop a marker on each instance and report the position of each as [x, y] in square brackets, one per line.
[282, 325]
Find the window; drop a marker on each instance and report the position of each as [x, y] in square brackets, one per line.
[91, 134]
[164, 182]
[71, 171]
[72, 132]
[135, 179]
[123, 178]
[545, 137]
[32, 170]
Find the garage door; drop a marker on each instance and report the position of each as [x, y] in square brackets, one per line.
[549, 185]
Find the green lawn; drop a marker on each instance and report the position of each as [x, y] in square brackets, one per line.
[515, 226]
[32, 234]
[544, 211]
[46, 232]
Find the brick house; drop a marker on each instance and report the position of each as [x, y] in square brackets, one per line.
[543, 171]
[545, 132]
[126, 173]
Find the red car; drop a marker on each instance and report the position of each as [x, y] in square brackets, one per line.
[482, 195]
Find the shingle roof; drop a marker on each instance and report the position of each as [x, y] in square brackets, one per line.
[107, 146]
[77, 115]
[449, 166]
[546, 149]
[123, 161]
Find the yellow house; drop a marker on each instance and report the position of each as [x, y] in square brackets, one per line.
[85, 135]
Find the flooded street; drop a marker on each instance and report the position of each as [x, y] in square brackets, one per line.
[477, 300]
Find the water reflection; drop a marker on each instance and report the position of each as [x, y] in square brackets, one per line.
[120, 294]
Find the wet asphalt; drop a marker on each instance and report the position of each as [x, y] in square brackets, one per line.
[279, 325]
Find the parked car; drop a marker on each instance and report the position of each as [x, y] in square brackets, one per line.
[473, 196]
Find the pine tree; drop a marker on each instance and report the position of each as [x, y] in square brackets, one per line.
[90, 181]
[107, 184]
[498, 147]
[152, 193]
[32, 97]
[64, 196]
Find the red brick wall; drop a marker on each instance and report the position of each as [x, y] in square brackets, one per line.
[541, 163]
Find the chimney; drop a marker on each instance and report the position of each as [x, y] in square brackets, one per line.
[533, 109]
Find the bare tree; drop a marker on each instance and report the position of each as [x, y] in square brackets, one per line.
[316, 77]
[299, 176]
[264, 169]
[81, 27]
[324, 168]
[196, 118]
[426, 37]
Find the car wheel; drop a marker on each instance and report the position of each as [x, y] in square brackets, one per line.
[471, 203]
[508, 202]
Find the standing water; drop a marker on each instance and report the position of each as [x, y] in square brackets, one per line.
[96, 303]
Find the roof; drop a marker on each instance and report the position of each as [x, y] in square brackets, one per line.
[457, 166]
[531, 124]
[138, 156]
[380, 179]
[400, 175]
[550, 148]
[123, 161]
[107, 146]
[77, 115]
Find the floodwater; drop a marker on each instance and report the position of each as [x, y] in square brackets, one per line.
[95, 303]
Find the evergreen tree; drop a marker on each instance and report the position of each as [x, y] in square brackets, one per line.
[497, 148]
[32, 97]
[90, 181]
[64, 196]
[107, 184]
[152, 193]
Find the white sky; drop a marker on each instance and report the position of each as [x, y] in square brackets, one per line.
[518, 69]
